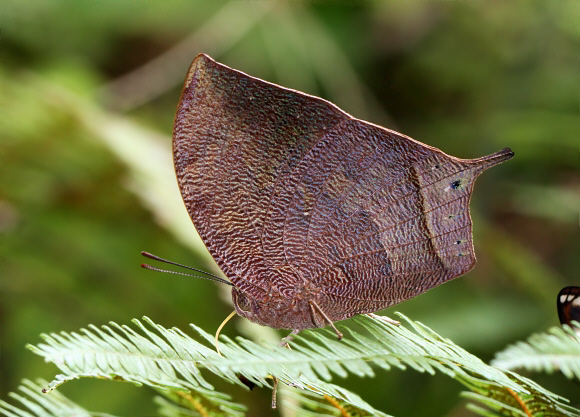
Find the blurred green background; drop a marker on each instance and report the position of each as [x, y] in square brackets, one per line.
[87, 99]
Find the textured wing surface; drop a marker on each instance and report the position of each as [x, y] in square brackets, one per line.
[288, 191]
[235, 139]
[371, 218]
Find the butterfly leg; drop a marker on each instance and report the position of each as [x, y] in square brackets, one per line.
[315, 308]
[384, 318]
[274, 392]
[284, 342]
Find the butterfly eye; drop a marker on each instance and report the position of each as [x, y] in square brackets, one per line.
[243, 302]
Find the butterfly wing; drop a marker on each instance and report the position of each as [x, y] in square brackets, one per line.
[568, 303]
[287, 190]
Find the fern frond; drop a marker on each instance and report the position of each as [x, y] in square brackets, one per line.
[36, 404]
[505, 402]
[168, 408]
[557, 350]
[120, 353]
[170, 359]
[308, 404]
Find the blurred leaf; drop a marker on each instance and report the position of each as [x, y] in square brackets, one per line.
[34, 403]
[527, 271]
[556, 203]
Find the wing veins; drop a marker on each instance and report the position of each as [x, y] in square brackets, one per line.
[407, 220]
[422, 271]
[351, 188]
[362, 254]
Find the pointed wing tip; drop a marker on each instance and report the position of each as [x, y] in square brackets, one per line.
[494, 159]
[509, 154]
[499, 156]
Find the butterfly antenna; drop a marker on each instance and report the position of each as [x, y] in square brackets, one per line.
[208, 275]
[160, 259]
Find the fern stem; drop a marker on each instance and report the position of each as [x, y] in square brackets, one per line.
[521, 402]
[195, 403]
[336, 404]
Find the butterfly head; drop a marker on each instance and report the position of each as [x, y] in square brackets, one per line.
[279, 312]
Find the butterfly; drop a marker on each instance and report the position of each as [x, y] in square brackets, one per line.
[313, 215]
[568, 304]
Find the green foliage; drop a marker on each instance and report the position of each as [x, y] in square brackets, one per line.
[196, 402]
[36, 404]
[87, 98]
[557, 350]
[171, 362]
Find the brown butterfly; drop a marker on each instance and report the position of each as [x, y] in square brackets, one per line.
[313, 215]
[568, 303]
